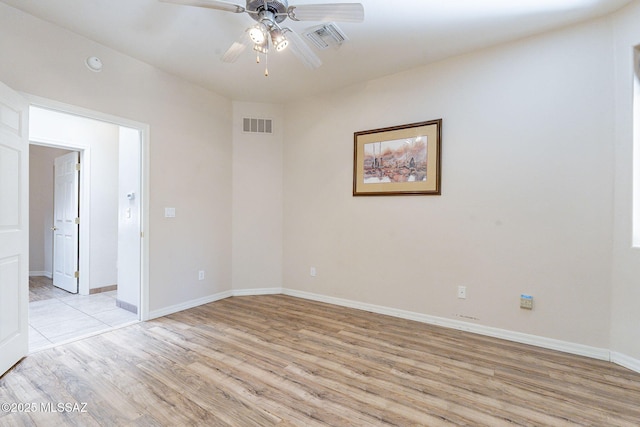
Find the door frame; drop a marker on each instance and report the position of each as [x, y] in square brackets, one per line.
[85, 196]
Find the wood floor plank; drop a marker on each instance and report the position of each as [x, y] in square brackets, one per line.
[144, 390]
[331, 392]
[41, 288]
[276, 360]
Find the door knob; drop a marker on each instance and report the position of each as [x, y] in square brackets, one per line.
[54, 228]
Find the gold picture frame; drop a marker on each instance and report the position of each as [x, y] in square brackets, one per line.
[398, 160]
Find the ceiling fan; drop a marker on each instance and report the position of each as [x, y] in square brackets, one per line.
[267, 32]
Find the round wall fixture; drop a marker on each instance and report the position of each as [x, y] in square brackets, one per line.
[94, 64]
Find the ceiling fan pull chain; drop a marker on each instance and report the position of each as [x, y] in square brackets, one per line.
[267, 42]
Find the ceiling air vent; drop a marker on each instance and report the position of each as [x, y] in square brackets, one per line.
[326, 35]
[251, 125]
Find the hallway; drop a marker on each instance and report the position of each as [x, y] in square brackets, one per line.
[56, 316]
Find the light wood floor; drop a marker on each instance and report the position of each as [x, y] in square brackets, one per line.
[278, 360]
[41, 289]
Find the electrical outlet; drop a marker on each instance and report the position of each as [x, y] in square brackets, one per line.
[313, 272]
[201, 275]
[526, 302]
[462, 292]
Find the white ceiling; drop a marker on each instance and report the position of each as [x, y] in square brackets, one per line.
[189, 41]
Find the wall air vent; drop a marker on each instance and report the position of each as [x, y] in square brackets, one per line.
[325, 36]
[251, 125]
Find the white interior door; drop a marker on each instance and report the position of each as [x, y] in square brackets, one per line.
[14, 231]
[65, 222]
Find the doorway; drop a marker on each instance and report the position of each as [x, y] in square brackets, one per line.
[110, 216]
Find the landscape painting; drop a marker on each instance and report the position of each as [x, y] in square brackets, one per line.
[399, 160]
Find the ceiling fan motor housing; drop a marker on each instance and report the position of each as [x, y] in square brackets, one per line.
[277, 7]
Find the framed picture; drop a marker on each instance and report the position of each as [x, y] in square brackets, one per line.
[399, 160]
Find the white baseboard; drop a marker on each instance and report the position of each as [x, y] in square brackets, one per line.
[626, 361]
[550, 343]
[256, 291]
[189, 304]
[41, 273]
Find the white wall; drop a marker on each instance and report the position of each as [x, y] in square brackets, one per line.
[190, 146]
[129, 218]
[100, 142]
[526, 205]
[41, 161]
[625, 333]
[257, 199]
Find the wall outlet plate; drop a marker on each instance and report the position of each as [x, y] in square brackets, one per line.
[462, 292]
[526, 302]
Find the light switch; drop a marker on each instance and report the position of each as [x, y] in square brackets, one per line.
[169, 212]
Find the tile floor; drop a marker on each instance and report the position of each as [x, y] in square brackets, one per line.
[56, 316]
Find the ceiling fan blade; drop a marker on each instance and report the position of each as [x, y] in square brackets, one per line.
[302, 51]
[340, 12]
[209, 4]
[236, 49]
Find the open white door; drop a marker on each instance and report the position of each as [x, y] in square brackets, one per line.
[14, 231]
[65, 222]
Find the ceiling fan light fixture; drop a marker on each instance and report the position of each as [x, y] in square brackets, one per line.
[261, 48]
[278, 39]
[258, 33]
[282, 45]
